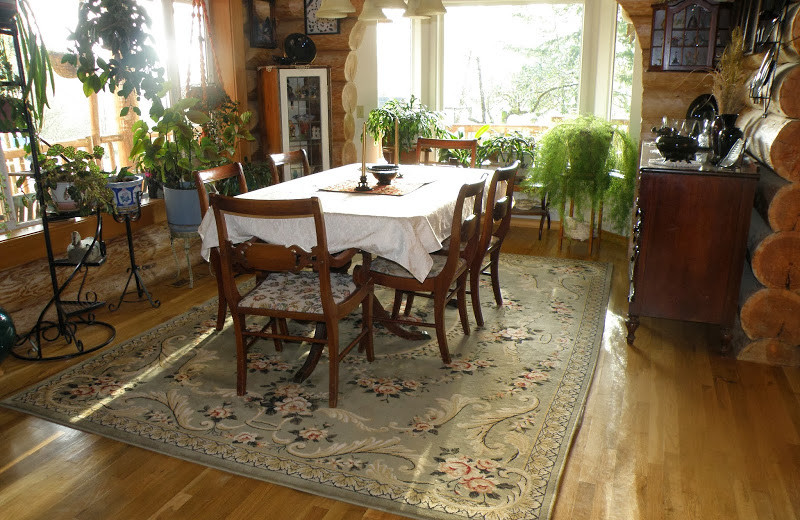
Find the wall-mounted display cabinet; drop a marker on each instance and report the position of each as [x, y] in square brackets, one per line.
[294, 104]
[689, 34]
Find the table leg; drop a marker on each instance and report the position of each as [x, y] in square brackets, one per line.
[313, 355]
[383, 317]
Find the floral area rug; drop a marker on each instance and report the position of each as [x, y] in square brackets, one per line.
[485, 436]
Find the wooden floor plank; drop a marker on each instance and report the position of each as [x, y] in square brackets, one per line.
[671, 430]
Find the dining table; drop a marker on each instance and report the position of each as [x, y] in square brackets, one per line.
[404, 222]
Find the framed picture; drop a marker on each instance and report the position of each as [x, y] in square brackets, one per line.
[262, 24]
[316, 25]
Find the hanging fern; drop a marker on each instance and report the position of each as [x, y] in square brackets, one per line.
[572, 164]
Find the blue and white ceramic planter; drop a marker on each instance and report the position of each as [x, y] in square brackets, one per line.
[127, 194]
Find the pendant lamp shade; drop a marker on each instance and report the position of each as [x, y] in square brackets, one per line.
[390, 4]
[335, 9]
[411, 10]
[372, 13]
[430, 8]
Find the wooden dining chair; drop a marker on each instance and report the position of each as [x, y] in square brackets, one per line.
[280, 165]
[428, 145]
[203, 181]
[300, 285]
[447, 270]
[494, 227]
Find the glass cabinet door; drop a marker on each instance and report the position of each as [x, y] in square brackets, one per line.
[305, 115]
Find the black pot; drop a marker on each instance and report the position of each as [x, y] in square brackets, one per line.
[676, 147]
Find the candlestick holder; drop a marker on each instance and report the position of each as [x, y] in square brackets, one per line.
[362, 183]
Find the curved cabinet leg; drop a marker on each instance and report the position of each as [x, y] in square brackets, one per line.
[632, 323]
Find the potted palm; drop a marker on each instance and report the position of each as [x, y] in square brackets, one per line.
[573, 163]
[414, 120]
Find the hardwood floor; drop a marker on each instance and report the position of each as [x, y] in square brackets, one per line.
[671, 430]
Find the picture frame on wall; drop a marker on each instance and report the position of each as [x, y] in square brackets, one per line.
[262, 24]
[316, 25]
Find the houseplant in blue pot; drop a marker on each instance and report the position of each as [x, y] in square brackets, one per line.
[186, 137]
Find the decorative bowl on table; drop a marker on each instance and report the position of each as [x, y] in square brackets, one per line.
[677, 147]
[384, 172]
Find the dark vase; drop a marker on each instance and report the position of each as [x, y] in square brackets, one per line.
[724, 135]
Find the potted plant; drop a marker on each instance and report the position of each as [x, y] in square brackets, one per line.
[504, 149]
[186, 139]
[121, 27]
[414, 120]
[730, 91]
[127, 189]
[573, 162]
[73, 181]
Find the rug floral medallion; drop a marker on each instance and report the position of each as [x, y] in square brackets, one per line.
[485, 436]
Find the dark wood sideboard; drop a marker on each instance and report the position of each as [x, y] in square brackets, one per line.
[689, 241]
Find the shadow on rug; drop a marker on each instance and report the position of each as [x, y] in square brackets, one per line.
[483, 437]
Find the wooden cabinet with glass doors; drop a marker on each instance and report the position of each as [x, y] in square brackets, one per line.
[294, 105]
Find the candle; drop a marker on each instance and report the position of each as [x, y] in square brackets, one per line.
[364, 151]
[396, 141]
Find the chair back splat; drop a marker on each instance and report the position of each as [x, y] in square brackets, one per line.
[299, 285]
[427, 145]
[203, 178]
[280, 165]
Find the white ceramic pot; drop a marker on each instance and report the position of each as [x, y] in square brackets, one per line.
[127, 195]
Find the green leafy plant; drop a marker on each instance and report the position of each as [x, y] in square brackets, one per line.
[256, 175]
[187, 139]
[89, 187]
[38, 70]
[415, 120]
[121, 27]
[573, 162]
[12, 105]
[507, 148]
[124, 174]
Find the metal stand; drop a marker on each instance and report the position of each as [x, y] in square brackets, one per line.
[72, 318]
[141, 288]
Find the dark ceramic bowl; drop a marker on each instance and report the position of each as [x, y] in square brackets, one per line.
[384, 173]
[676, 147]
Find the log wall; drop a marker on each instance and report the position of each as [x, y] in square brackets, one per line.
[336, 51]
[770, 300]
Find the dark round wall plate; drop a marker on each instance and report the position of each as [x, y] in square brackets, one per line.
[704, 106]
[299, 48]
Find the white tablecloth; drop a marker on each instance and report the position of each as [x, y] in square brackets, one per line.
[405, 229]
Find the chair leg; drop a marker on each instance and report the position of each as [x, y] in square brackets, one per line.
[474, 285]
[222, 305]
[366, 325]
[398, 300]
[438, 318]
[461, 298]
[333, 363]
[239, 324]
[278, 343]
[495, 258]
[409, 303]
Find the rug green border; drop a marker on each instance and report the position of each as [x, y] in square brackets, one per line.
[571, 427]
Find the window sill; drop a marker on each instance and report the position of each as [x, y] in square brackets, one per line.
[26, 245]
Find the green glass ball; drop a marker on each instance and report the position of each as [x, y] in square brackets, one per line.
[8, 334]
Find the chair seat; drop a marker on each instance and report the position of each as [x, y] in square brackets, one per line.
[387, 267]
[296, 292]
[446, 245]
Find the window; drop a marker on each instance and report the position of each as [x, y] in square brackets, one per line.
[69, 118]
[513, 64]
[498, 70]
